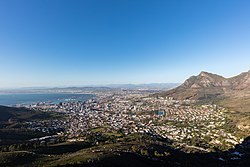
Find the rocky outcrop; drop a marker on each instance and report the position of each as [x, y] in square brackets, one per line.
[207, 85]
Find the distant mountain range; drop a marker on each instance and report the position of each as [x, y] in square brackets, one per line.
[232, 92]
[124, 86]
[145, 86]
[92, 88]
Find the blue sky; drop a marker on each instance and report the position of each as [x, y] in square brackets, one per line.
[63, 43]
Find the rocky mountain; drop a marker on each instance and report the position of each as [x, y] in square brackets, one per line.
[232, 93]
[241, 82]
[207, 86]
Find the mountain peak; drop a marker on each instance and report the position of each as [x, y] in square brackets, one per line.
[208, 74]
[203, 80]
[208, 84]
[203, 73]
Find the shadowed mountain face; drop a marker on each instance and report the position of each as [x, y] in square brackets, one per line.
[207, 86]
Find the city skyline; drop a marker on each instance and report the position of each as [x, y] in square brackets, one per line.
[59, 43]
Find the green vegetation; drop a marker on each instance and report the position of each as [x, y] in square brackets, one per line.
[134, 149]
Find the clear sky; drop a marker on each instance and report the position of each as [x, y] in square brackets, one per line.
[82, 42]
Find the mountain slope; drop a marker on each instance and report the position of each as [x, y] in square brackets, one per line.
[232, 93]
[207, 86]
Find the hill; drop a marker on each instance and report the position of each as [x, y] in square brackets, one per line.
[7, 113]
[12, 124]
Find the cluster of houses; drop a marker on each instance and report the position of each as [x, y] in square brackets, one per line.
[136, 113]
[179, 121]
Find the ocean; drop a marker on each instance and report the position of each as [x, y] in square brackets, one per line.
[15, 99]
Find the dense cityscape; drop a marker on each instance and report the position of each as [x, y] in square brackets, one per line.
[202, 126]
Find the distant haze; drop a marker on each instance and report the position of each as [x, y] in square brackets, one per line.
[151, 86]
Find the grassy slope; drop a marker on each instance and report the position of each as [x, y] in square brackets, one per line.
[238, 111]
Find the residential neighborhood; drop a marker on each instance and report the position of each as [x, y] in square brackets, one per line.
[181, 121]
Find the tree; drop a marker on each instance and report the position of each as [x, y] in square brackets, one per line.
[144, 152]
